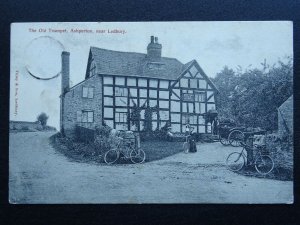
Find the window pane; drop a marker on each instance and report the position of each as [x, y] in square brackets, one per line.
[84, 117]
[154, 125]
[184, 107]
[201, 120]
[90, 116]
[78, 116]
[154, 116]
[84, 92]
[108, 80]
[90, 92]
[191, 107]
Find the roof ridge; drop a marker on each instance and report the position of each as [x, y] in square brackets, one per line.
[109, 50]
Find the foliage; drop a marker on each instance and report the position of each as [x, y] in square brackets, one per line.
[251, 97]
[43, 118]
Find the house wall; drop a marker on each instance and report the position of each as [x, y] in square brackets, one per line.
[74, 103]
[191, 97]
[122, 93]
[285, 115]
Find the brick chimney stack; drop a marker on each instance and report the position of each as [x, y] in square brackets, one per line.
[65, 72]
[154, 49]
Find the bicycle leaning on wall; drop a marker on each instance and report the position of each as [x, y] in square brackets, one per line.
[262, 161]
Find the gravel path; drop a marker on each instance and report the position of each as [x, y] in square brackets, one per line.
[39, 174]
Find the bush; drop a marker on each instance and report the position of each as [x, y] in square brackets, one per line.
[281, 150]
[25, 128]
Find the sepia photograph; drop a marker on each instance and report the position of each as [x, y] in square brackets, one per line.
[151, 112]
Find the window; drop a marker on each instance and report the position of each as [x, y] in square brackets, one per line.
[87, 92]
[199, 96]
[189, 119]
[188, 97]
[85, 116]
[119, 91]
[121, 117]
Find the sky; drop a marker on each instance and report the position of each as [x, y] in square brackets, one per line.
[37, 47]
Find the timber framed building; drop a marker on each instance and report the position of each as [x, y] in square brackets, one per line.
[116, 83]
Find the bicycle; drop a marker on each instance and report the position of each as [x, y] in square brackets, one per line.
[263, 163]
[125, 150]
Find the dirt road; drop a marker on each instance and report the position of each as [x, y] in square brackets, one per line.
[38, 174]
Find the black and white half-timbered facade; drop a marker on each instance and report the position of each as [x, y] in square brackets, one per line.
[117, 83]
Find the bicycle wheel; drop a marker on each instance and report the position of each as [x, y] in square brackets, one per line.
[235, 138]
[137, 156]
[264, 164]
[111, 156]
[235, 161]
[224, 140]
[186, 147]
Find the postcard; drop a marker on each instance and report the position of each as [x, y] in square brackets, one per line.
[151, 112]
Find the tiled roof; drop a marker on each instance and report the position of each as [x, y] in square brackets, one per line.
[135, 64]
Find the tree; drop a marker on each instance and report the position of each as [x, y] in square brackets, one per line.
[42, 118]
[251, 97]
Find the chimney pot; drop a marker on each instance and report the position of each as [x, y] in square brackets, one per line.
[156, 39]
[152, 39]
